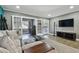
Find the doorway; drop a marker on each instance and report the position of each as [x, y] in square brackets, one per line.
[27, 26]
[27, 31]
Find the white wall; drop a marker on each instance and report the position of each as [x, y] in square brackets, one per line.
[8, 15]
[74, 29]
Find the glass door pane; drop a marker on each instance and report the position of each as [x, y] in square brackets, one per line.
[25, 26]
[17, 23]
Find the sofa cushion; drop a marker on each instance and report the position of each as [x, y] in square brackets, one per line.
[12, 34]
[2, 34]
[17, 44]
[3, 50]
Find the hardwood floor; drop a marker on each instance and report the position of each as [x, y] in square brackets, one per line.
[59, 46]
[74, 44]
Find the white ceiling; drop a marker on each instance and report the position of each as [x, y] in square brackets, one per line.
[42, 10]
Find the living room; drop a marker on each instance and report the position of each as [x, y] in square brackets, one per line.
[39, 29]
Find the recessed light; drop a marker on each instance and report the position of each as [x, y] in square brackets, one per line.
[17, 7]
[71, 7]
[49, 15]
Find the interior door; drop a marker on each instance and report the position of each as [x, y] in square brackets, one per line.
[16, 23]
[25, 26]
[45, 26]
[39, 26]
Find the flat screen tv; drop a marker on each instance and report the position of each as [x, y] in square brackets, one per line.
[66, 23]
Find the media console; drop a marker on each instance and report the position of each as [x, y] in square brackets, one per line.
[70, 36]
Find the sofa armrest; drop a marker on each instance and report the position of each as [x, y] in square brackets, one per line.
[31, 44]
[3, 50]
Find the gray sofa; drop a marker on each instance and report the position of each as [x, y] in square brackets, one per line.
[10, 42]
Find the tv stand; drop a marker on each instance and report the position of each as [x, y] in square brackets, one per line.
[70, 36]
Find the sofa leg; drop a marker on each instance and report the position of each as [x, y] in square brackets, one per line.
[22, 51]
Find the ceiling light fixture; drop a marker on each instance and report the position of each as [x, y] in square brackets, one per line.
[71, 7]
[17, 7]
[49, 15]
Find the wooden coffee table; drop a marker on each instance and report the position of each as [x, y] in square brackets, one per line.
[40, 48]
